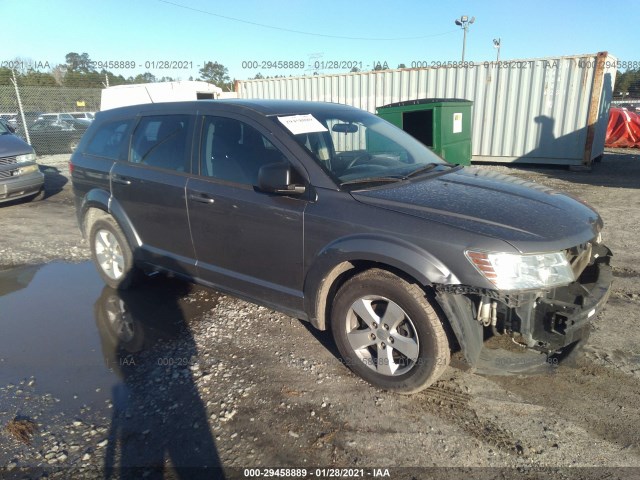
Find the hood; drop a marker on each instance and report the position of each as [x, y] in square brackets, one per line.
[531, 217]
[11, 146]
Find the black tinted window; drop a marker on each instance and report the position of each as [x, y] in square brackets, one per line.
[234, 151]
[110, 139]
[161, 141]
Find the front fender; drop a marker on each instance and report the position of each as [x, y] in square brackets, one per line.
[403, 256]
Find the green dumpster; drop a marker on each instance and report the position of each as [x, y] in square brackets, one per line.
[442, 124]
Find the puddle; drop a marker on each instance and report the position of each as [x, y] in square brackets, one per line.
[78, 338]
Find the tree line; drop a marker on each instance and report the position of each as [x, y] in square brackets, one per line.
[627, 84]
[79, 71]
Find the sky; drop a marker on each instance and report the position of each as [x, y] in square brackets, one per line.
[243, 34]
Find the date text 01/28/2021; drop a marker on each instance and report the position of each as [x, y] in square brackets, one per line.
[316, 472]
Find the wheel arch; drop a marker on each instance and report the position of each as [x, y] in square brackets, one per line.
[98, 203]
[95, 204]
[349, 256]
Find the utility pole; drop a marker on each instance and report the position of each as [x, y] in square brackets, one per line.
[463, 22]
[20, 108]
[496, 44]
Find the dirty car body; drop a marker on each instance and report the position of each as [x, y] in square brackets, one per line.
[332, 215]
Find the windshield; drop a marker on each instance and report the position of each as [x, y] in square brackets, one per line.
[357, 146]
[3, 128]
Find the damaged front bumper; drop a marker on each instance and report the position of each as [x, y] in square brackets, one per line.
[547, 321]
[561, 317]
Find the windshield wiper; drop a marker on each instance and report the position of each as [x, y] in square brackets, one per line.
[357, 181]
[423, 169]
[397, 178]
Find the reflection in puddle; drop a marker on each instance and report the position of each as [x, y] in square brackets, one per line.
[48, 319]
[134, 367]
[134, 321]
[48, 331]
[157, 410]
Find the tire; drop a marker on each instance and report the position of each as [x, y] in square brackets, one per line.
[388, 333]
[111, 254]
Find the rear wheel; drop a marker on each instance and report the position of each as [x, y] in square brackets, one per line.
[388, 333]
[111, 254]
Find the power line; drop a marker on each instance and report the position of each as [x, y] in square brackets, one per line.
[299, 31]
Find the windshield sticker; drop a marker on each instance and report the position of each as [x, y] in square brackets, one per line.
[298, 124]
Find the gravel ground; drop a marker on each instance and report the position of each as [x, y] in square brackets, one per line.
[220, 382]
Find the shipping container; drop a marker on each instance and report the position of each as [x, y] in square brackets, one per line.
[543, 111]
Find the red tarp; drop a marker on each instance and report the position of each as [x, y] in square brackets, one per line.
[623, 129]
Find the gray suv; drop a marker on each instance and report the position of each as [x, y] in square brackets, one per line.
[20, 176]
[334, 216]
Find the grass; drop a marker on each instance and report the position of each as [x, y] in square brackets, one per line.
[22, 429]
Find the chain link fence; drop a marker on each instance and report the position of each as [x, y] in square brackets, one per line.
[50, 118]
[626, 93]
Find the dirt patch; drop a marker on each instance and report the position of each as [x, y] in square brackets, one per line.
[602, 400]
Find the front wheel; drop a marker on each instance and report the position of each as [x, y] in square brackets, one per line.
[111, 254]
[388, 333]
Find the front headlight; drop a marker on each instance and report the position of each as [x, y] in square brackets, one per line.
[28, 169]
[509, 271]
[29, 157]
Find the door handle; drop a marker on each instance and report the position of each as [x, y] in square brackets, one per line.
[202, 198]
[120, 180]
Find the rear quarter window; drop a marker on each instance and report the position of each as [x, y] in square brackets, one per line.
[110, 139]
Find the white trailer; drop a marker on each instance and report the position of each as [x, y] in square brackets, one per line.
[124, 95]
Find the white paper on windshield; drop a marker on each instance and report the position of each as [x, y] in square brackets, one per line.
[298, 124]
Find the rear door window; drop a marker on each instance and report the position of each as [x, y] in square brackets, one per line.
[162, 141]
[234, 151]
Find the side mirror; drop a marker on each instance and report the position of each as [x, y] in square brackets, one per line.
[276, 178]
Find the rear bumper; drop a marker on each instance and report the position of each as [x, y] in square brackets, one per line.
[21, 186]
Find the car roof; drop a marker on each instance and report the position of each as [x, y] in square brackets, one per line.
[264, 107]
